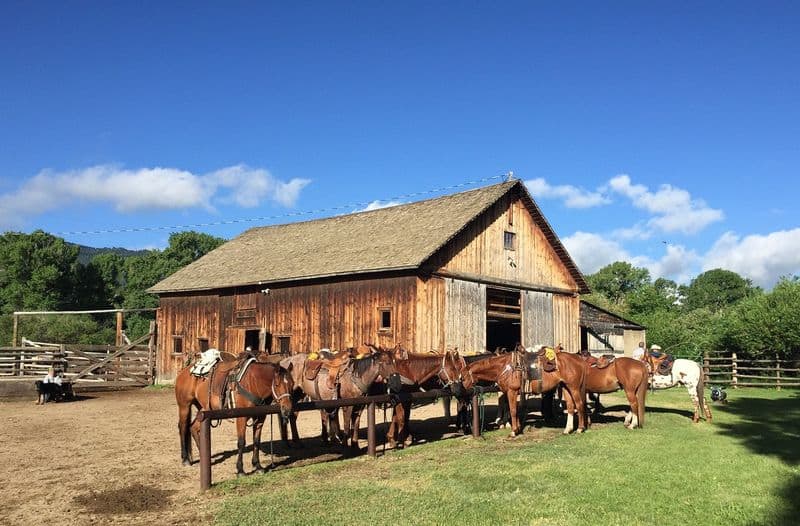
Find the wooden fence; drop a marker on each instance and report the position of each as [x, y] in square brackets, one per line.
[730, 370]
[84, 365]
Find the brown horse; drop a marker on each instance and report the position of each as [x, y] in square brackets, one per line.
[354, 379]
[250, 383]
[426, 371]
[511, 370]
[621, 373]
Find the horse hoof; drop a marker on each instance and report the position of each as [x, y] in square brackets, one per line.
[240, 474]
[187, 462]
[580, 430]
[512, 435]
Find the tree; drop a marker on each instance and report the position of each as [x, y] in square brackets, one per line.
[617, 280]
[716, 289]
[37, 272]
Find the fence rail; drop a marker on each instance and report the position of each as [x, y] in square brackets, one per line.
[737, 372]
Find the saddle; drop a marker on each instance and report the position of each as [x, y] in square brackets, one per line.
[206, 363]
[332, 365]
[547, 359]
[661, 364]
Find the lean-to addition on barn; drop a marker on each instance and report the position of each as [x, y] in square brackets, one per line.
[475, 270]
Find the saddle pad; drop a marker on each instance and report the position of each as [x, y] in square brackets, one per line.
[207, 361]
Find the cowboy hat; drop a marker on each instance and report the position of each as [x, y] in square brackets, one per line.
[655, 347]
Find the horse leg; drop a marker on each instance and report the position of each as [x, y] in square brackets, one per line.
[184, 423]
[631, 420]
[695, 400]
[355, 423]
[241, 428]
[404, 437]
[258, 424]
[391, 433]
[323, 416]
[516, 428]
[292, 421]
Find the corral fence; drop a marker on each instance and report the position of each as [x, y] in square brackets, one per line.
[723, 368]
[85, 366]
[370, 402]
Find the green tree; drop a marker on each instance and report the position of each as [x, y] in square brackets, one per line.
[617, 280]
[37, 272]
[648, 299]
[716, 289]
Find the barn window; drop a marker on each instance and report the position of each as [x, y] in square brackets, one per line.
[509, 240]
[511, 214]
[202, 344]
[284, 345]
[177, 344]
[385, 319]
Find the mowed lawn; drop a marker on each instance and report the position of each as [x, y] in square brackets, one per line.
[742, 469]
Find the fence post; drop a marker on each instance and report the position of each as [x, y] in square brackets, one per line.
[205, 454]
[706, 367]
[372, 450]
[778, 372]
[734, 372]
[151, 351]
[21, 363]
[14, 334]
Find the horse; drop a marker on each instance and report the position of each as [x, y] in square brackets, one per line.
[511, 370]
[354, 379]
[250, 383]
[685, 372]
[628, 374]
[420, 371]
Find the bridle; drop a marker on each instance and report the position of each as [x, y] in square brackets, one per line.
[447, 381]
[275, 397]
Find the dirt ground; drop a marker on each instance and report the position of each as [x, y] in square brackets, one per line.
[114, 458]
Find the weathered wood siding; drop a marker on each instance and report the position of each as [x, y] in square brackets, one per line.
[465, 315]
[341, 315]
[479, 249]
[430, 318]
[188, 317]
[332, 315]
[537, 318]
[566, 328]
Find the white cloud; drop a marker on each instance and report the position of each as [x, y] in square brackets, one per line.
[377, 205]
[674, 208]
[762, 258]
[592, 252]
[145, 189]
[677, 264]
[573, 197]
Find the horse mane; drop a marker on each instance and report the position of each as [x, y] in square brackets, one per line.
[362, 365]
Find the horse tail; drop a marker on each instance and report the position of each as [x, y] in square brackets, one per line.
[701, 393]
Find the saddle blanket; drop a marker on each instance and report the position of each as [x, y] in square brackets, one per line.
[207, 361]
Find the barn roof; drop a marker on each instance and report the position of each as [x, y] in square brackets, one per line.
[396, 238]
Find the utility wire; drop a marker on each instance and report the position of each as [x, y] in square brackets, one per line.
[277, 216]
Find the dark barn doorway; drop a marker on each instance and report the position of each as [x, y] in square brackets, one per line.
[503, 319]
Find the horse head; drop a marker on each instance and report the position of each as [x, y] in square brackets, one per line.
[282, 389]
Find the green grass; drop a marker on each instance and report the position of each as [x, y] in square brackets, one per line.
[740, 470]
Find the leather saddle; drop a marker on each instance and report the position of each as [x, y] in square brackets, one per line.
[661, 363]
[332, 366]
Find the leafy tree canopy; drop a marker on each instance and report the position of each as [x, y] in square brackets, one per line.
[716, 289]
[617, 280]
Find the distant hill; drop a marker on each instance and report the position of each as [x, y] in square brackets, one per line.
[85, 254]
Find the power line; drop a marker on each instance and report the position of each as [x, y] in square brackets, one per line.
[277, 216]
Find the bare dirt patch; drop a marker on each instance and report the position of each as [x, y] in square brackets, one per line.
[114, 458]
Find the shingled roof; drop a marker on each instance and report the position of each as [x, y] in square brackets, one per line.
[396, 238]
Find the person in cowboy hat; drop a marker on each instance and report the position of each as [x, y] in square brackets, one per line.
[655, 351]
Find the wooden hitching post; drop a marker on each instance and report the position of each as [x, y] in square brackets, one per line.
[371, 446]
[476, 417]
[205, 454]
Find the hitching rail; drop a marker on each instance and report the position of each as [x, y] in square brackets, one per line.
[205, 418]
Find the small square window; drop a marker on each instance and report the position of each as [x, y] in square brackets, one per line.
[385, 319]
[509, 240]
[202, 343]
[284, 345]
[177, 345]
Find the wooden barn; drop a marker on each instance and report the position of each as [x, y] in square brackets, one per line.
[604, 332]
[475, 270]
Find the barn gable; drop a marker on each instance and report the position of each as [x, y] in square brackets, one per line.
[397, 238]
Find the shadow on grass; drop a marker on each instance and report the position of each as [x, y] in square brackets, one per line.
[765, 426]
[790, 508]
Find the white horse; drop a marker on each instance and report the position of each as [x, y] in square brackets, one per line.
[689, 374]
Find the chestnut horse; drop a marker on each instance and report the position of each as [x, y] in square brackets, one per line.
[621, 373]
[250, 383]
[509, 372]
[420, 371]
[353, 380]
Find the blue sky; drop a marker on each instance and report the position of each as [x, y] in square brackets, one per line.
[662, 133]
